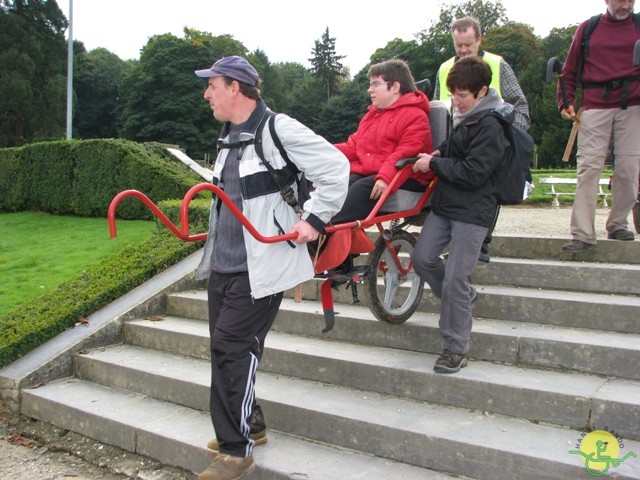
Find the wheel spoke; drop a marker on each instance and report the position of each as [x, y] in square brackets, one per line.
[394, 292]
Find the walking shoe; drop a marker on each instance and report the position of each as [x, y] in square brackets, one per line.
[621, 234]
[474, 295]
[260, 438]
[575, 246]
[257, 432]
[484, 257]
[228, 467]
[450, 362]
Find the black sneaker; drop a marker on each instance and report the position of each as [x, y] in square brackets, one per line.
[624, 235]
[576, 246]
[450, 362]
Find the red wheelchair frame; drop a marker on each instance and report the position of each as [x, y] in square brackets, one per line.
[390, 265]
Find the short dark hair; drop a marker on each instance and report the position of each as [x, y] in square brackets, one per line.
[464, 23]
[469, 73]
[394, 70]
[247, 90]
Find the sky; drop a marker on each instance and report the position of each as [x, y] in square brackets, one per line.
[286, 30]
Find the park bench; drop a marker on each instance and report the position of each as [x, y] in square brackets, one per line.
[553, 181]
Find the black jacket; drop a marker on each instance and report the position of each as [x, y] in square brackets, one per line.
[471, 167]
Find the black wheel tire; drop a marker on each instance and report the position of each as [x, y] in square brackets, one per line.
[391, 298]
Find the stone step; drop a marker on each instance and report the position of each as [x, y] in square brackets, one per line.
[615, 313]
[539, 247]
[612, 313]
[517, 343]
[609, 278]
[176, 435]
[563, 398]
[542, 247]
[597, 277]
[405, 430]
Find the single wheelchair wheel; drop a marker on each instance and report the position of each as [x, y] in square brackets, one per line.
[393, 293]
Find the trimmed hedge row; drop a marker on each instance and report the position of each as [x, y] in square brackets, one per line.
[35, 322]
[80, 177]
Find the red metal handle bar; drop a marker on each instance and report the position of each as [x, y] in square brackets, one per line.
[184, 235]
[111, 214]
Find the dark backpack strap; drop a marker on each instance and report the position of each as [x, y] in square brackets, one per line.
[606, 86]
[586, 36]
[281, 178]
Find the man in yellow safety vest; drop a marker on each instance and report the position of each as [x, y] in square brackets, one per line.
[466, 41]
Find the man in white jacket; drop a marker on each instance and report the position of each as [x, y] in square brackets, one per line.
[247, 278]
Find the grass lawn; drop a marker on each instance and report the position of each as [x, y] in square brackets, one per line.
[40, 251]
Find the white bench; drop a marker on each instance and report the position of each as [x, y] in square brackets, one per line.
[553, 181]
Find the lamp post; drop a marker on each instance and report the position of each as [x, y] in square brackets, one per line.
[70, 75]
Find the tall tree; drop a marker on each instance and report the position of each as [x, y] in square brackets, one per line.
[325, 63]
[98, 106]
[32, 71]
[514, 42]
[162, 96]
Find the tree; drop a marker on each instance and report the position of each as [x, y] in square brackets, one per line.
[435, 44]
[32, 71]
[514, 42]
[162, 96]
[98, 107]
[326, 63]
[342, 113]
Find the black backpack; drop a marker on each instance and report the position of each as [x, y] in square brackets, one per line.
[586, 36]
[283, 178]
[584, 45]
[513, 188]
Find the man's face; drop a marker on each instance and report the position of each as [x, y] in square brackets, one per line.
[219, 94]
[383, 93]
[620, 9]
[466, 42]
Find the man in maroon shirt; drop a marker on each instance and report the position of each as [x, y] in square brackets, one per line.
[610, 86]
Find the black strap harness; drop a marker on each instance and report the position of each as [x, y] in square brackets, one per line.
[612, 84]
[283, 178]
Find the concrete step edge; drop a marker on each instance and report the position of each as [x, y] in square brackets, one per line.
[176, 436]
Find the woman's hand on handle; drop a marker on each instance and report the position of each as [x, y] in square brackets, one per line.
[423, 163]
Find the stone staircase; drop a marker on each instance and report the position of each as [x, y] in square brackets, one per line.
[555, 351]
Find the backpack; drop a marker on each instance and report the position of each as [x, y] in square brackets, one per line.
[283, 178]
[586, 36]
[584, 44]
[516, 183]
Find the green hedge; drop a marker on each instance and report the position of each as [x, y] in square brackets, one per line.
[11, 197]
[81, 177]
[33, 323]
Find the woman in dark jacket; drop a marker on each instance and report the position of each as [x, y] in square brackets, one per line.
[469, 167]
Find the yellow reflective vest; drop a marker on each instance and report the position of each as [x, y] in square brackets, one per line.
[492, 60]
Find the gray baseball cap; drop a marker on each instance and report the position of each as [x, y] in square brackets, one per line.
[235, 67]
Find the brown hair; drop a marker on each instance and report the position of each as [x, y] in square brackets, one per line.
[464, 23]
[247, 90]
[469, 73]
[394, 70]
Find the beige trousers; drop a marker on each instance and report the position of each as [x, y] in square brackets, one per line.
[597, 129]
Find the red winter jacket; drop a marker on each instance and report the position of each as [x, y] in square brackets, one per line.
[383, 137]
